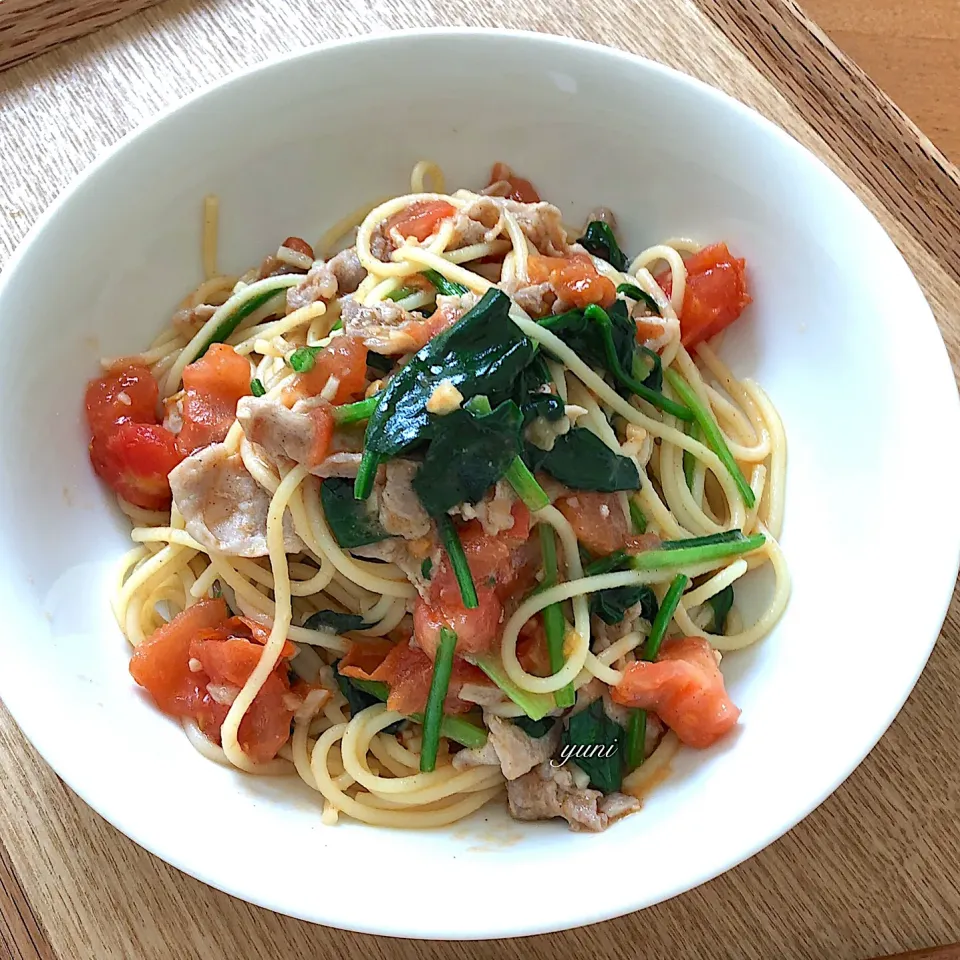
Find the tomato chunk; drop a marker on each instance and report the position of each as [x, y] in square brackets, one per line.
[684, 687]
[128, 393]
[715, 294]
[522, 190]
[408, 671]
[212, 386]
[344, 358]
[420, 219]
[134, 460]
[204, 647]
[574, 279]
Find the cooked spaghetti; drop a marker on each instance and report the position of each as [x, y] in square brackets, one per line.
[457, 511]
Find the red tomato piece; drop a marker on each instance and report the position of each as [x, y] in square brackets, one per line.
[684, 687]
[408, 671]
[213, 385]
[134, 460]
[574, 279]
[715, 294]
[523, 190]
[344, 358]
[160, 662]
[476, 628]
[597, 520]
[125, 394]
[420, 219]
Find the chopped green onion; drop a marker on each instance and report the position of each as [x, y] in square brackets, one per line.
[641, 296]
[712, 435]
[439, 684]
[599, 316]
[458, 561]
[553, 623]
[449, 288]
[668, 606]
[400, 294]
[458, 729]
[535, 705]
[637, 517]
[518, 474]
[354, 412]
[257, 388]
[636, 739]
[303, 358]
[243, 303]
[682, 553]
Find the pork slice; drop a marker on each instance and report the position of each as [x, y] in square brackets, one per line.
[454, 306]
[407, 555]
[549, 791]
[401, 512]
[347, 270]
[224, 507]
[508, 746]
[536, 299]
[616, 805]
[541, 222]
[325, 280]
[384, 327]
[494, 511]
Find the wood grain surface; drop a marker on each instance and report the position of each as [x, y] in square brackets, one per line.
[872, 872]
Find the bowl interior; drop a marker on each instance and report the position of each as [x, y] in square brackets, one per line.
[292, 147]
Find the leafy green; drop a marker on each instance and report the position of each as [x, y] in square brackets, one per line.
[528, 393]
[330, 621]
[582, 461]
[554, 625]
[650, 376]
[303, 358]
[257, 388]
[681, 554]
[380, 363]
[535, 705]
[483, 352]
[535, 728]
[400, 293]
[638, 518]
[721, 603]
[426, 568]
[458, 561]
[242, 304]
[449, 288]
[359, 694]
[599, 240]
[433, 712]
[610, 605]
[658, 629]
[641, 296]
[353, 523]
[592, 728]
[468, 454]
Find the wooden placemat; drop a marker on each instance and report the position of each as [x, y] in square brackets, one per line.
[872, 871]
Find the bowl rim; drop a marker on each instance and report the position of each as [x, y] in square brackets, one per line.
[769, 129]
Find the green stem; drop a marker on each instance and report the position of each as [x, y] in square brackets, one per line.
[439, 684]
[637, 517]
[535, 705]
[449, 288]
[553, 623]
[458, 561]
[399, 294]
[599, 316]
[257, 388]
[689, 460]
[680, 555]
[354, 412]
[636, 737]
[365, 474]
[458, 729]
[605, 564]
[712, 435]
[641, 296]
[725, 536]
[658, 629]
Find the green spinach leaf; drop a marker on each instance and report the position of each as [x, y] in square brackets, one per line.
[582, 461]
[610, 605]
[353, 523]
[721, 603]
[594, 743]
[483, 352]
[468, 454]
[535, 728]
[599, 240]
[361, 694]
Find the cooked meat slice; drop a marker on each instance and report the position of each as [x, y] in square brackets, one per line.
[616, 805]
[408, 555]
[347, 270]
[541, 223]
[401, 512]
[536, 299]
[548, 792]
[384, 327]
[516, 752]
[225, 509]
[189, 320]
[466, 232]
[454, 307]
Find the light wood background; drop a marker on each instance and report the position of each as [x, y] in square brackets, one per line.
[875, 869]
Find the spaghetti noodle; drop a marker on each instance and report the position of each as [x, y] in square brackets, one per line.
[456, 511]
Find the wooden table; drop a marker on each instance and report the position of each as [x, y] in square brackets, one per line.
[875, 869]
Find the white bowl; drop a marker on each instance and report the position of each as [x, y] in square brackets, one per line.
[839, 334]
